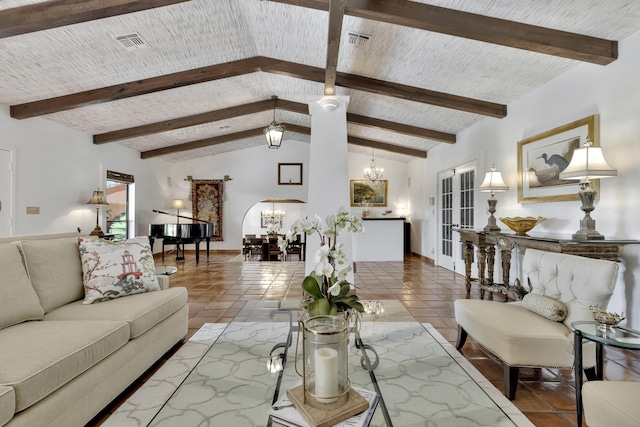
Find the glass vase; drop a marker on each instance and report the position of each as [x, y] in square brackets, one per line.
[325, 352]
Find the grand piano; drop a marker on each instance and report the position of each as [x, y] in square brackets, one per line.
[181, 234]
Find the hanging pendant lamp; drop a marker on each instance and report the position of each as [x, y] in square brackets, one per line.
[275, 131]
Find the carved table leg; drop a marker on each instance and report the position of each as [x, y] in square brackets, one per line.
[468, 260]
[491, 258]
[506, 266]
[482, 262]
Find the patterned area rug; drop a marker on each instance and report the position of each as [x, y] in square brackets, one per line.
[145, 404]
[206, 195]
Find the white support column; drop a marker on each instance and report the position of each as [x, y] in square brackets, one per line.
[328, 167]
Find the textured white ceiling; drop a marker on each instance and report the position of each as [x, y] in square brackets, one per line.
[199, 33]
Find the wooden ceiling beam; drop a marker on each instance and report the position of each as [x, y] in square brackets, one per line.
[477, 27]
[58, 13]
[256, 107]
[207, 142]
[385, 125]
[396, 90]
[246, 66]
[336, 15]
[182, 122]
[140, 87]
[366, 143]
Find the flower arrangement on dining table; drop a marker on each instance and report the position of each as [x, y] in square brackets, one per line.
[327, 285]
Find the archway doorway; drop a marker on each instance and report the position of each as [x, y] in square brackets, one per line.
[272, 215]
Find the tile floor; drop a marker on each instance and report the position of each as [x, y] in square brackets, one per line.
[220, 285]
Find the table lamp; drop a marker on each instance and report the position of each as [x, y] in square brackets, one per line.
[493, 183]
[97, 198]
[586, 164]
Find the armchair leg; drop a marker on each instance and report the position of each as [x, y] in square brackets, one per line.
[510, 381]
[462, 337]
[591, 373]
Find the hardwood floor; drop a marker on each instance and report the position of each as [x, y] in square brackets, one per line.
[221, 284]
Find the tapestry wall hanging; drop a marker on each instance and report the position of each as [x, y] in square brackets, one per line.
[206, 197]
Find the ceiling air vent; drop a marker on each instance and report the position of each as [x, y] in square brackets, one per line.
[358, 39]
[131, 41]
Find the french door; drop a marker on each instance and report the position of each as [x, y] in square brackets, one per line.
[456, 209]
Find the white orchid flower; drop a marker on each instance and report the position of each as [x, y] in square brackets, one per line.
[321, 254]
[324, 269]
[343, 273]
[334, 290]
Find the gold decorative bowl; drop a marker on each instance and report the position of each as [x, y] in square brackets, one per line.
[522, 225]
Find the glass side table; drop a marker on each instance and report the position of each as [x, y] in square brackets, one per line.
[617, 336]
[166, 270]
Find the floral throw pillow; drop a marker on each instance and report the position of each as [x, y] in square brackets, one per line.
[116, 269]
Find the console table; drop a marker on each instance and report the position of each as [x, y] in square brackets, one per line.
[486, 244]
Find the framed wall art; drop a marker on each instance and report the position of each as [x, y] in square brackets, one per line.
[365, 194]
[542, 157]
[289, 173]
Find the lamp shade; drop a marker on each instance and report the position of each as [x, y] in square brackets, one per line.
[97, 198]
[588, 163]
[493, 182]
[177, 204]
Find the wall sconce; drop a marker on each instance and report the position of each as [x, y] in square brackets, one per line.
[493, 183]
[97, 198]
[587, 163]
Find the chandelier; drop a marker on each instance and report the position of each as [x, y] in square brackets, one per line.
[272, 218]
[373, 173]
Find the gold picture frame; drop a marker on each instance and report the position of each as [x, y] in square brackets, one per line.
[364, 194]
[542, 157]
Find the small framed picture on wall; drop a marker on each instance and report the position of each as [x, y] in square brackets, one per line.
[289, 173]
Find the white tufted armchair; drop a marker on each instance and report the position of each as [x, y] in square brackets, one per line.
[520, 337]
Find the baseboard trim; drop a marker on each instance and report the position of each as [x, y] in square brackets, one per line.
[424, 258]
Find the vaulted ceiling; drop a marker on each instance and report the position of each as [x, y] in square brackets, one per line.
[181, 79]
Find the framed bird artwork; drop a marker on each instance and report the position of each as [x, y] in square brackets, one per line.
[541, 159]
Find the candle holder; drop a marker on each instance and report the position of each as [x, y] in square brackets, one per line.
[325, 376]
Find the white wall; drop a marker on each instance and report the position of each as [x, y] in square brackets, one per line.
[254, 174]
[57, 169]
[254, 177]
[611, 91]
[396, 174]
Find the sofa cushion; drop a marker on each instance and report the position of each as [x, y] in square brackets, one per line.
[116, 269]
[18, 300]
[7, 404]
[546, 307]
[39, 357]
[54, 269]
[611, 403]
[142, 311]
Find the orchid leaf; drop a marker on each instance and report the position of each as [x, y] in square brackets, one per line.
[319, 306]
[345, 287]
[312, 287]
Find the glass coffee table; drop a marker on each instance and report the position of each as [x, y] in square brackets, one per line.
[616, 336]
[419, 375]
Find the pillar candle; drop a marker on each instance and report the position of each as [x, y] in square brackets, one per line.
[326, 375]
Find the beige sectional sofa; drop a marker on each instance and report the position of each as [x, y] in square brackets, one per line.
[62, 361]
